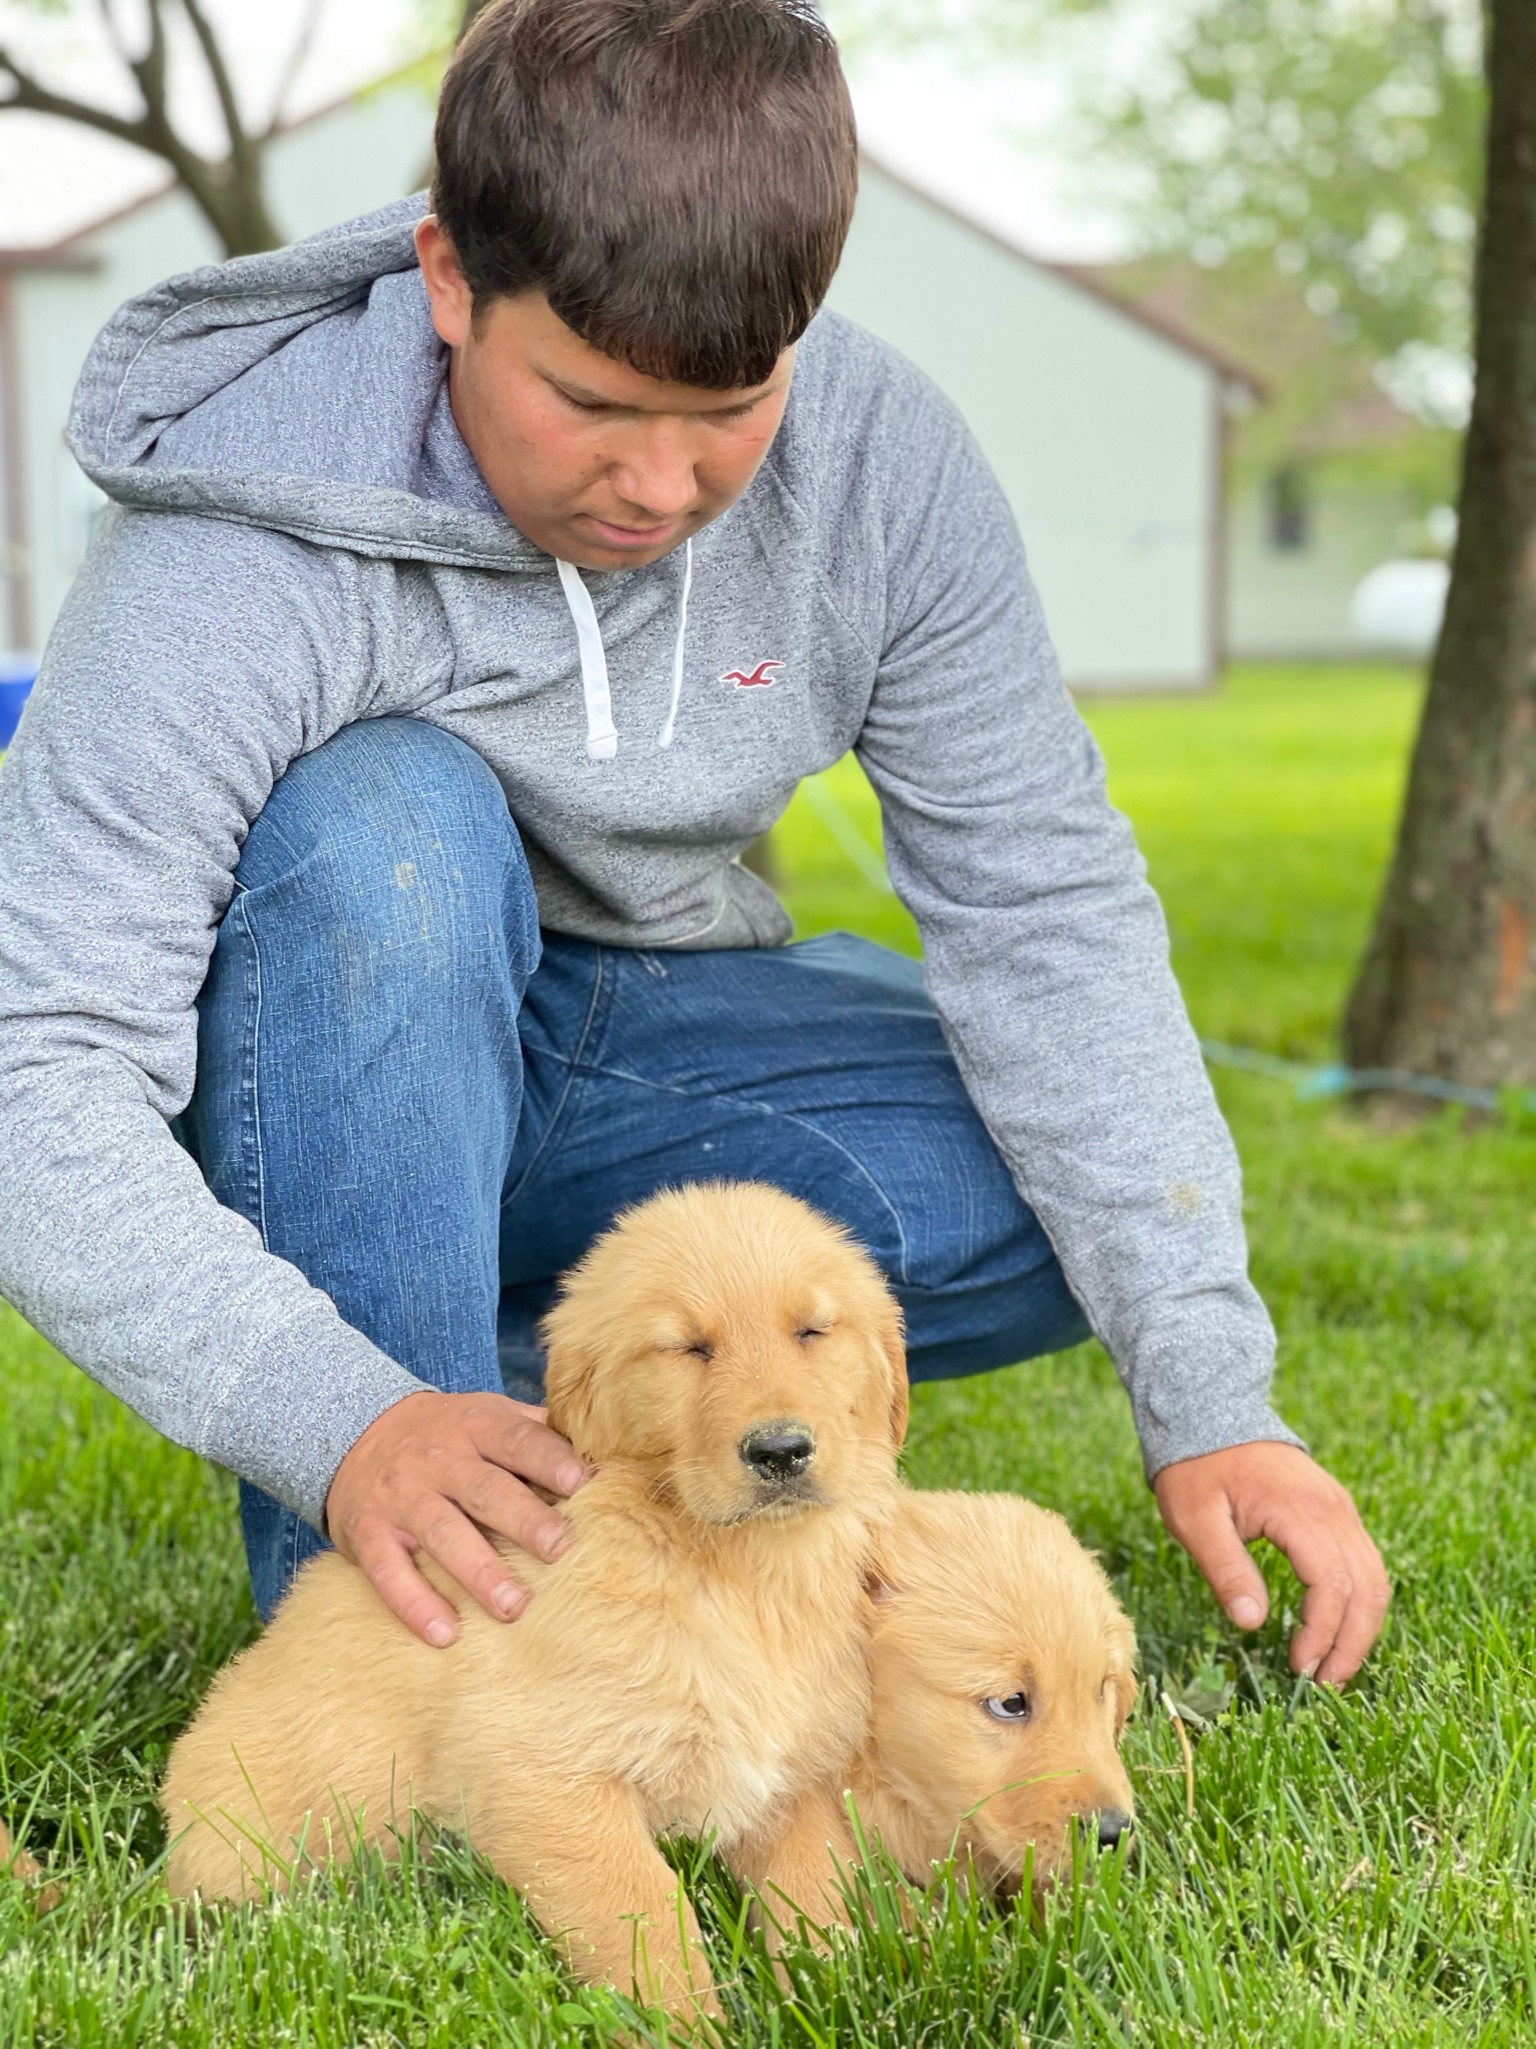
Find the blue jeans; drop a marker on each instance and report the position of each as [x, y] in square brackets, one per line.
[431, 1112]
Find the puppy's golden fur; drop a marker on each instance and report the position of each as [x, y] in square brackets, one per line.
[984, 1597]
[19, 1865]
[695, 1662]
[16, 1862]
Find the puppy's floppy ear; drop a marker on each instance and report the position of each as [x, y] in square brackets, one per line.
[1126, 1690]
[569, 1371]
[893, 1347]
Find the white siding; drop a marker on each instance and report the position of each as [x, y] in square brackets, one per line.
[1102, 433]
[1292, 604]
[361, 156]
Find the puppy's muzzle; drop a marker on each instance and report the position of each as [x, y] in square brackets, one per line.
[777, 1454]
[1109, 1824]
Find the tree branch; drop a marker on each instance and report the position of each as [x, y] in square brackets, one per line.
[149, 72]
[109, 22]
[223, 85]
[32, 97]
[303, 43]
[228, 192]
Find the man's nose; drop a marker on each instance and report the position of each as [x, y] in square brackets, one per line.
[656, 475]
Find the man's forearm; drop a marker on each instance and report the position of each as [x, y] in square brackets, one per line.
[112, 1247]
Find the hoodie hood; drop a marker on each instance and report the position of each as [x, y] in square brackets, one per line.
[303, 391]
[306, 391]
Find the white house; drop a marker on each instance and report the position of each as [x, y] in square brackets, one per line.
[1104, 425]
[343, 161]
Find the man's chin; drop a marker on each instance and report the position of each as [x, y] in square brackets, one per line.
[594, 544]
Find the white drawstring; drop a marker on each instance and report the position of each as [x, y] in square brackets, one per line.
[602, 734]
[677, 658]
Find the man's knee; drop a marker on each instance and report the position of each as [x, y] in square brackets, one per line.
[393, 845]
[988, 1291]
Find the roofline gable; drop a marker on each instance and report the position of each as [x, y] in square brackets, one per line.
[1078, 275]
[67, 254]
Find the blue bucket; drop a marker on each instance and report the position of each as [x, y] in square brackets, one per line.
[17, 675]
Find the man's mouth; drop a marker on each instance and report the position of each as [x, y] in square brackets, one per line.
[613, 535]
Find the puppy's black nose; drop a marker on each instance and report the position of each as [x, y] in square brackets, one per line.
[782, 1451]
[1112, 1824]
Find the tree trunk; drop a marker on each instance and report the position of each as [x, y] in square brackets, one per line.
[233, 198]
[1448, 986]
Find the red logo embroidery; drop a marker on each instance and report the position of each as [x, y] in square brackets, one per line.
[758, 676]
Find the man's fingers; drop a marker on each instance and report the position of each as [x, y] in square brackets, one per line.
[1347, 1589]
[1323, 1608]
[1212, 1540]
[1370, 1595]
[518, 1438]
[449, 1536]
[504, 1504]
[1217, 1502]
[385, 1556]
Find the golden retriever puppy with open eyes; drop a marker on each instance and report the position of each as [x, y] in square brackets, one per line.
[696, 1662]
[1003, 1672]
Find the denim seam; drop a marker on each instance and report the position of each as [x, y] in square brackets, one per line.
[253, 1093]
[296, 1529]
[768, 1110]
[599, 981]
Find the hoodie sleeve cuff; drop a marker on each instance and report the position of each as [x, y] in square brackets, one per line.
[1193, 1436]
[1203, 1390]
[287, 1421]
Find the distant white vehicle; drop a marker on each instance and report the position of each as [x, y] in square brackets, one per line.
[1398, 607]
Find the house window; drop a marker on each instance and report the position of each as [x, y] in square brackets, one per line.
[1290, 510]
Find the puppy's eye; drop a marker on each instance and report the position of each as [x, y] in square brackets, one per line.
[1008, 1707]
[701, 1350]
[809, 1331]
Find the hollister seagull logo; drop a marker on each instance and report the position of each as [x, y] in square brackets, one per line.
[758, 676]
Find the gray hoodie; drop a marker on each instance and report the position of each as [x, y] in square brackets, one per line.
[299, 538]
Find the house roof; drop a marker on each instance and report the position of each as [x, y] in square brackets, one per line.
[57, 256]
[1156, 320]
[1325, 395]
[70, 252]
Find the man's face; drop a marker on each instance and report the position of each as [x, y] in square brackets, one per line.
[591, 460]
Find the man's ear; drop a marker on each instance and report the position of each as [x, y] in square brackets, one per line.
[448, 290]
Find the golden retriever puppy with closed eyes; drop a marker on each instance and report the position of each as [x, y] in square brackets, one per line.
[1003, 1673]
[696, 1662]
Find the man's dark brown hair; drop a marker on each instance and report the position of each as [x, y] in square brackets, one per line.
[677, 176]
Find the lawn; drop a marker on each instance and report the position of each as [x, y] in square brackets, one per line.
[1357, 1868]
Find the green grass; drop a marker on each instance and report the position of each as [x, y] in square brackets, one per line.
[1358, 1869]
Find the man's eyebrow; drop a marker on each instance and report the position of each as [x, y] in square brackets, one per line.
[584, 396]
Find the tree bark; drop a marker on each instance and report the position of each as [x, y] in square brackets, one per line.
[230, 192]
[1448, 986]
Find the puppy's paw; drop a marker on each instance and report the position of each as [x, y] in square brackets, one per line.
[17, 1864]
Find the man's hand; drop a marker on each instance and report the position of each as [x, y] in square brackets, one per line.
[1218, 1504]
[423, 1474]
